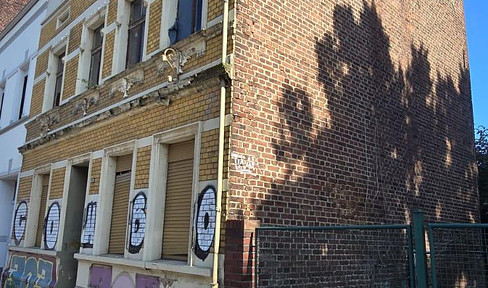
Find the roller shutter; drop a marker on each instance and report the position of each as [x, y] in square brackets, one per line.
[42, 210]
[177, 211]
[120, 206]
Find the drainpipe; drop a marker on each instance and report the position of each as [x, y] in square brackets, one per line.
[220, 171]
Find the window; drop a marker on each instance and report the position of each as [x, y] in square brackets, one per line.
[135, 41]
[120, 206]
[96, 56]
[62, 18]
[59, 80]
[188, 20]
[22, 98]
[179, 190]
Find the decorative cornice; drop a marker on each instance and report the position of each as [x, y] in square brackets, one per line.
[210, 78]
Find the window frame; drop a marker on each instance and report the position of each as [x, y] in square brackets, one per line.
[119, 63]
[157, 188]
[89, 27]
[170, 13]
[34, 207]
[133, 26]
[52, 71]
[58, 80]
[107, 185]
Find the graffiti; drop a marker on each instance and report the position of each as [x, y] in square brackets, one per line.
[244, 164]
[205, 222]
[146, 281]
[20, 220]
[89, 225]
[123, 280]
[29, 271]
[100, 276]
[51, 227]
[137, 222]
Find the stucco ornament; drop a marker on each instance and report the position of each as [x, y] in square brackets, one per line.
[47, 121]
[125, 84]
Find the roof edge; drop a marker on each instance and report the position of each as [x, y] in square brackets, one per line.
[17, 18]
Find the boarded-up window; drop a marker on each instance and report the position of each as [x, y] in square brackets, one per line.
[177, 213]
[42, 210]
[120, 205]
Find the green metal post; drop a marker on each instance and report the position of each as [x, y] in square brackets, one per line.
[432, 257]
[419, 240]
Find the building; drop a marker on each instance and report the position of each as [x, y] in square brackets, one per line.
[155, 124]
[17, 67]
[10, 8]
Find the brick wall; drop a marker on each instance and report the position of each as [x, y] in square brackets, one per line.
[25, 186]
[96, 166]
[57, 184]
[351, 112]
[142, 167]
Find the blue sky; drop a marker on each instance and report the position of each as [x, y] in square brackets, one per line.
[477, 29]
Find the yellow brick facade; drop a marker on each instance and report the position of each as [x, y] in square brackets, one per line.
[41, 64]
[70, 79]
[25, 186]
[131, 107]
[96, 165]
[154, 26]
[57, 183]
[36, 103]
[75, 38]
[142, 167]
[108, 55]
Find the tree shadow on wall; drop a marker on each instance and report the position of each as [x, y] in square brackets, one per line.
[384, 141]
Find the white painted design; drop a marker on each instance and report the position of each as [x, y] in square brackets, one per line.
[19, 221]
[244, 164]
[89, 225]
[137, 223]
[205, 222]
[51, 228]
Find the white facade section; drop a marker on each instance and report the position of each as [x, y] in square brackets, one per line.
[18, 54]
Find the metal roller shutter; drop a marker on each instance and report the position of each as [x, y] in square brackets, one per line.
[42, 210]
[177, 211]
[120, 206]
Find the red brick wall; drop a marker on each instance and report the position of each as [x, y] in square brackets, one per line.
[351, 112]
[9, 8]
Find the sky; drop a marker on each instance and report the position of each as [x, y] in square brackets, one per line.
[476, 12]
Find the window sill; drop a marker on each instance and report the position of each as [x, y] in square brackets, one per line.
[162, 265]
[33, 250]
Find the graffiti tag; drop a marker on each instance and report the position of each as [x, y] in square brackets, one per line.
[137, 222]
[20, 220]
[30, 272]
[205, 222]
[51, 227]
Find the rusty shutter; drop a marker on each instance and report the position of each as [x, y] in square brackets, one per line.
[120, 206]
[124, 163]
[177, 211]
[42, 210]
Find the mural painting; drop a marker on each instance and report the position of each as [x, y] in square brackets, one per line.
[123, 280]
[51, 227]
[137, 222]
[30, 271]
[20, 219]
[89, 225]
[205, 222]
[146, 281]
[100, 276]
